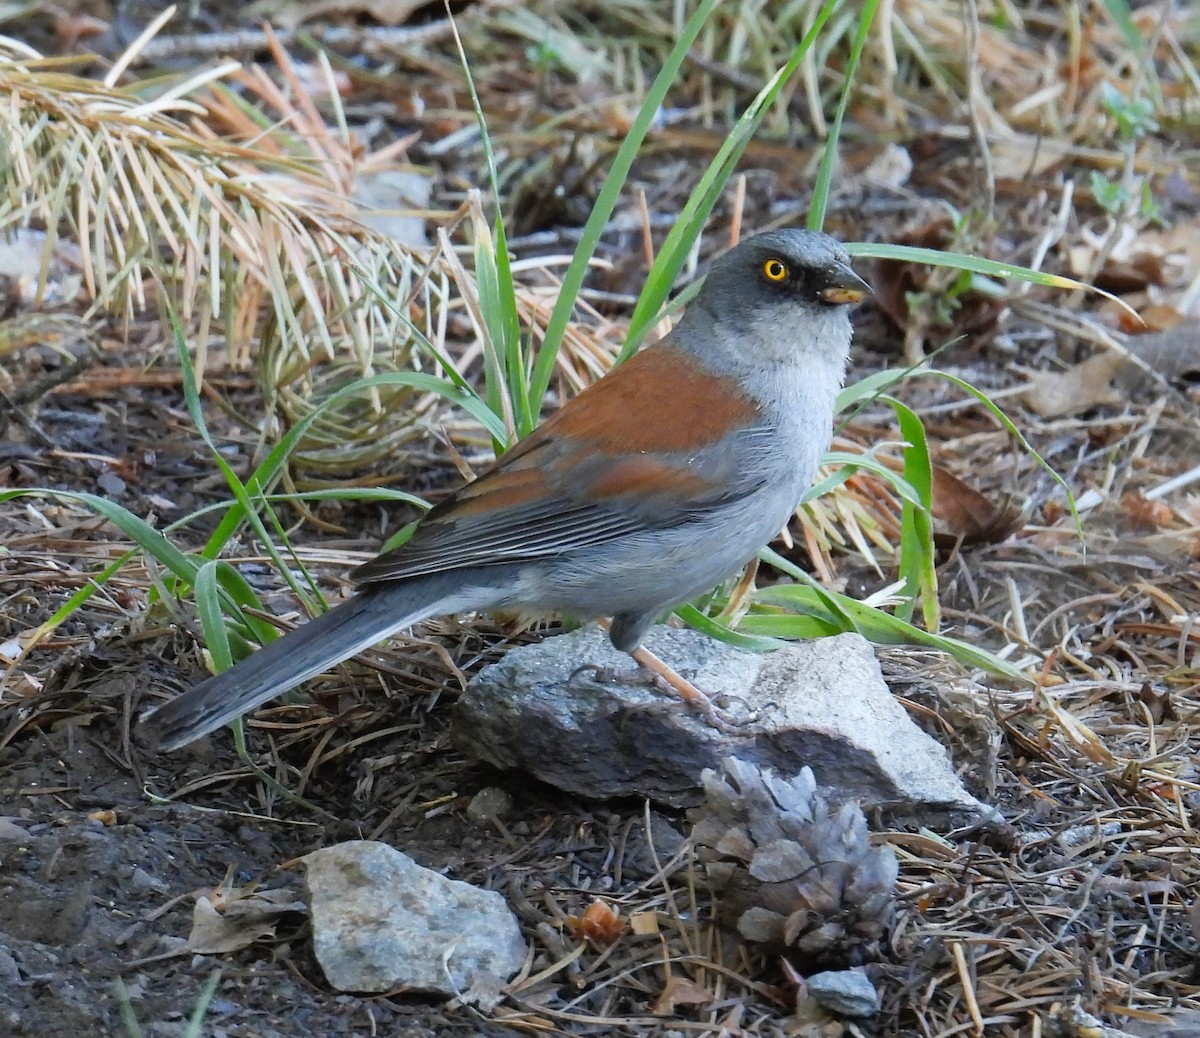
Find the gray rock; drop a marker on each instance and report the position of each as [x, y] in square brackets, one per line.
[10, 972]
[489, 805]
[845, 992]
[821, 703]
[381, 921]
[10, 832]
[391, 201]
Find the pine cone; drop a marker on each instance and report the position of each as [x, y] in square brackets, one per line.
[788, 872]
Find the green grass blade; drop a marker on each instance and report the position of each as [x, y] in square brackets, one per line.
[820, 199]
[693, 617]
[272, 466]
[129, 1019]
[1122, 16]
[212, 616]
[1009, 426]
[682, 236]
[248, 496]
[223, 583]
[195, 1022]
[181, 566]
[787, 626]
[387, 300]
[869, 389]
[500, 367]
[842, 613]
[148, 539]
[917, 560]
[978, 265]
[606, 200]
[81, 595]
[506, 388]
[848, 464]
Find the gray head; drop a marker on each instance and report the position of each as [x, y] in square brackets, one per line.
[804, 268]
[780, 294]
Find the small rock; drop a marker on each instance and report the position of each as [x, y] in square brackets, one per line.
[10, 972]
[845, 992]
[382, 921]
[112, 484]
[1080, 834]
[392, 201]
[10, 832]
[821, 703]
[170, 944]
[489, 804]
[141, 880]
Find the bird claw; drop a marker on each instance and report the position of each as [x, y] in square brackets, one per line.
[715, 709]
[616, 675]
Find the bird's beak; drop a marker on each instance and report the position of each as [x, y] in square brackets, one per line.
[842, 285]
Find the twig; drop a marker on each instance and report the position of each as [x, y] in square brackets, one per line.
[372, 41]
[14, 402]
[976, 98]
[964, 978]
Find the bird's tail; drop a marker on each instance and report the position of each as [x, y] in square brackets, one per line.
[309, 650]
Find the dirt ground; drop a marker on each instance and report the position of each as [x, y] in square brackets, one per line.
[1082, 903]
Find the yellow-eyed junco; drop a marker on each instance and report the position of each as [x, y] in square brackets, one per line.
[648, 488]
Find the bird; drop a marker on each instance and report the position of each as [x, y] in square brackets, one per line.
[651, 486]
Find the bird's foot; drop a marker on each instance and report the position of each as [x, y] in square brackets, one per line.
[718, 710]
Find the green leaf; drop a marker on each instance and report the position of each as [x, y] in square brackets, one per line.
[836, 613]
[877, 626]
[739, 639]
[212, 615]
[1109, 195]
[917, 560]
[851, 463]
[606, 200]
[868, 390]
[820, 199]
[682, 236]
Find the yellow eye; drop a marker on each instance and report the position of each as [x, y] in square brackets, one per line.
[775, 270]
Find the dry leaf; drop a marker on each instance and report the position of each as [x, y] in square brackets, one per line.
[1149, 515]
[1172, 352]
[642, 923]
[1089, 384]
[1137, 887]
[1157, 317]
[892, 167]
[242, 922]
[1023, 156]
[963, 512]
[1157, 702]
[974, 315]
[599, 924]
[677, 992]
